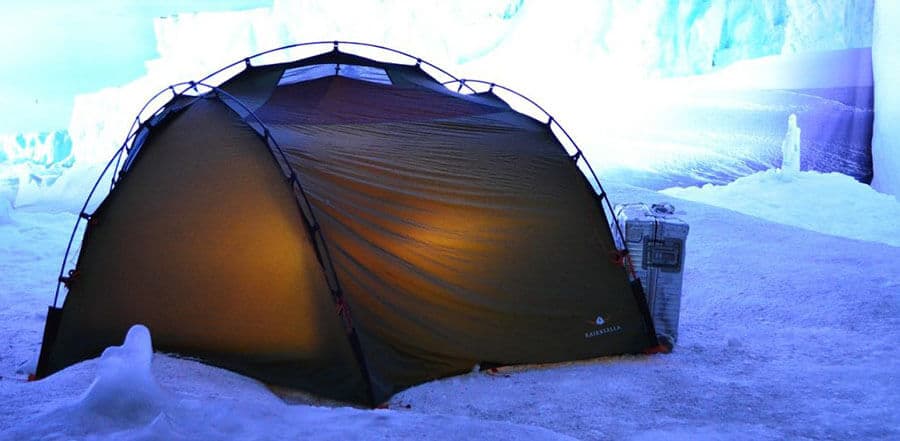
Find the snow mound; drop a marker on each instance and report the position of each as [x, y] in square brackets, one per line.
[124, 395]
[125, 402]
[124, 387]
[845, 208]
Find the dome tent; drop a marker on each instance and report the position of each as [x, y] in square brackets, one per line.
[349, 227]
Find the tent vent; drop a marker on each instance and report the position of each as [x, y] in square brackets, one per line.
[306, 73]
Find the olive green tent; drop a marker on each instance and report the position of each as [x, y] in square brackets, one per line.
[349, 227]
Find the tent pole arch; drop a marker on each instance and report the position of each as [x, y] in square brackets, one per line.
[132, 133]
[293, 178]
[247, 61]
[317, 237]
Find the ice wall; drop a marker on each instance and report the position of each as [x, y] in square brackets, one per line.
[886, 69]
[43, 148]
[606, 45]
[32, 160]
[694, 37]
[648, 38]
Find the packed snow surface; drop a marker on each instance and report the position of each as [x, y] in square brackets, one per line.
[126, 402]
[786, 333]
[829, 203]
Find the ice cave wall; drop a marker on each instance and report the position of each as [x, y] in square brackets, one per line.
[657, 37]
[696, 36]
[640, 38]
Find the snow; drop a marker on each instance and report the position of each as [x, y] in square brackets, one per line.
[785, 333]
[829, 203]
[125, 402]
[124, 385]
[886, 68]
[124, 395]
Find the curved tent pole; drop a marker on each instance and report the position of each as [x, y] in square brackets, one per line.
[551, 120]
[324, 256]
[306, 210]
[136, 124]
[335, 44]
[116, 157]
[293, 177]
[81, 215]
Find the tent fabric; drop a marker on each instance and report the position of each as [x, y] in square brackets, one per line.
[443, 222]
[202, 242]
[459, 232]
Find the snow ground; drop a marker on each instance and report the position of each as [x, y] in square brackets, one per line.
[840, 206]
[785, 333]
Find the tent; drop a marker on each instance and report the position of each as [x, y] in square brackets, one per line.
[349, 227]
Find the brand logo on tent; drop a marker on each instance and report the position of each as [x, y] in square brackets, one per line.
[600, 321]
[603, 331]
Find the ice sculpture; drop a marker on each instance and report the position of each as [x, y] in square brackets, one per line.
[125, 387]
[790, 148]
